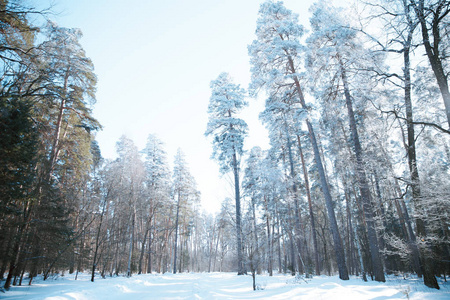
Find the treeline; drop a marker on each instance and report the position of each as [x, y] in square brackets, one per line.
[355, 180]
[356, 177]
[63, 207]
[47, 148]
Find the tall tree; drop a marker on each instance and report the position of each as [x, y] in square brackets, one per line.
[433, 17]
[335, 51]
[275, 58]
[228, 133]
[70, 86]
[401, 21]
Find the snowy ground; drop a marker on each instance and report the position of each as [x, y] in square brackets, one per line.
[223, 286]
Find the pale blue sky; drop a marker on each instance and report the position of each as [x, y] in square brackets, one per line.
[154, 61]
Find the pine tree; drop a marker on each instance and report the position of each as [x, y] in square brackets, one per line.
[335, 51]
[275, 58]
[228, 133]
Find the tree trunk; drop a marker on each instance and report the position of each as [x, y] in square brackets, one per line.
[130, 254]
[15, 255]
[255, 233]
[425, 263]
[280, 266]
[97, 243]
[56, 141]
[350, 244]
[363, 186]
[338, 247]
[141, 257]
[269, 241]
[301, 266]
[176, 236]
[434, 57]
[311, 214]
[150, 242]
[216, 249]
[241, 270]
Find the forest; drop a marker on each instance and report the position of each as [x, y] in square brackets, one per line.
[355, 181]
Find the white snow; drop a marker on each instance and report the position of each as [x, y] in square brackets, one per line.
[223, 286]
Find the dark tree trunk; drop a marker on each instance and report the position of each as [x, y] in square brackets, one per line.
[434, 57]
[350, 244]
[241, 270]
[256, 253]
[97, 242]
[296, 205]
[141, 257]
[211, 242]
[311, 213]
[280, 266]
[15, 255]
[216, 249]
[130, 254]
[426, 265]
[363, 186]
[150, 240]
[269, 244]
[338, 246]
[176, 236]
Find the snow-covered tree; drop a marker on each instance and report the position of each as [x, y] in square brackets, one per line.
[131, 170]
[184, 189]
[433, 17]
[400, 21]
[157, 190]
[228, 132]
[336, 51]
[276, 57]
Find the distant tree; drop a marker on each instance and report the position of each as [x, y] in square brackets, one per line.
[184, 189]
[228, 133]
[157, 189]
[132, 173]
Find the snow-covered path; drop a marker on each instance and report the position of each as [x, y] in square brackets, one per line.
[223, 286]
